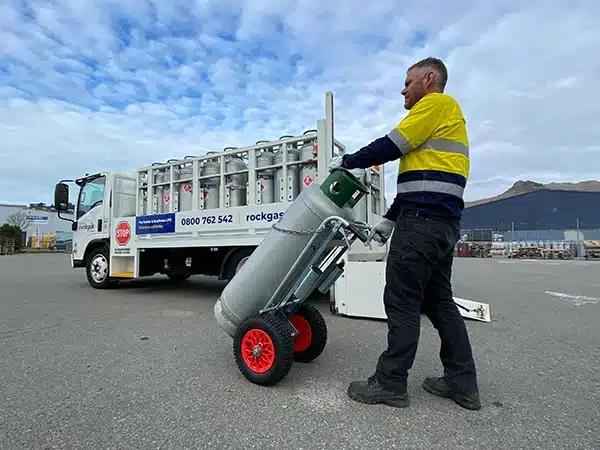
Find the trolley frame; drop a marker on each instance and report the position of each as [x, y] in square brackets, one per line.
[318, 266]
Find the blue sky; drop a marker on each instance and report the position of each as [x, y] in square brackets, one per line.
[112, 85]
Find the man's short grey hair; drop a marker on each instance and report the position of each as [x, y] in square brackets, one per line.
[437, 66]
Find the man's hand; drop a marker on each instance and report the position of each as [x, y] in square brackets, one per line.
[381, 232]
[335, 163]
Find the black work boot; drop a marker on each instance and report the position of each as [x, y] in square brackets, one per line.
[439, 387]
[371, 392]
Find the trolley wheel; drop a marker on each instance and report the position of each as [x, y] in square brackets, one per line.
[263, 346]
[312, 333]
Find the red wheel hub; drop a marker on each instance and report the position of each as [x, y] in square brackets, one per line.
[304, 338]
[258, 351]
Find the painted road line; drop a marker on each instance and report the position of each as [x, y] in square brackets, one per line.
[577, 300]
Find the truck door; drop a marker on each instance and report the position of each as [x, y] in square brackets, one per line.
[90, 215]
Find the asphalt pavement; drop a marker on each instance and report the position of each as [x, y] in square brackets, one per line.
[145, 366]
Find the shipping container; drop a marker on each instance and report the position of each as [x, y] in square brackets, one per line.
[462, 249]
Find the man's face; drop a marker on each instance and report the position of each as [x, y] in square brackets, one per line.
[415, 86]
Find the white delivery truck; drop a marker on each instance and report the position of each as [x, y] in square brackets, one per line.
[203, 214]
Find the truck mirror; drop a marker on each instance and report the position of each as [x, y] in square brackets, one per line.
[61, 197]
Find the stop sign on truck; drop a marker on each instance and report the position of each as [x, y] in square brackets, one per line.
[123, 233]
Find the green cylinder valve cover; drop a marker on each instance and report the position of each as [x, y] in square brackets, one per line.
[343, 188]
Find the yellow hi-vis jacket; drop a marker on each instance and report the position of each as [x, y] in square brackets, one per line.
[433, 147]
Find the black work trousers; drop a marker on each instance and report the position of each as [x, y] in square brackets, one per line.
[418, 279]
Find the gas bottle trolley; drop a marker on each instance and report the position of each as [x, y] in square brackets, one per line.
[288, 328]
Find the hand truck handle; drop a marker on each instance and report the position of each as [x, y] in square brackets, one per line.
[355, 228]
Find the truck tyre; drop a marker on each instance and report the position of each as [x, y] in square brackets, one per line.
[263, 347]
[178, 277]
[97, 269]
[236, 261]
[312, 333]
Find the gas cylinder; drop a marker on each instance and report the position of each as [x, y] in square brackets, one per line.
[257, 280]
[308, 171]
[165, 202]
[210, 186]
[162, 175]
[265, 177]
[184, 189]
[236, 194]
[293, 155]
[157, 177]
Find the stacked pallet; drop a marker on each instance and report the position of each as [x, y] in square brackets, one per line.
[7, 245]
[528, 253]
[480, 249]
[592, 249]
[498, 249]
[557, 253]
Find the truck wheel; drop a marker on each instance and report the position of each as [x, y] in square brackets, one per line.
[312, 333]
[264, 349]
[236, 261]
[177, 277]
[97, 269]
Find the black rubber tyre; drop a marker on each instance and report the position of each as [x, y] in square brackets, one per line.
[273, 334]
[178, 277]
[308, 348]
[97, 269]
[237, 259]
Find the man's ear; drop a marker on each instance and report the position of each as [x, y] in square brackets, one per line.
[430, 79]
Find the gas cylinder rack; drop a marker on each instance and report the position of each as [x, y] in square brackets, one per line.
[265, 173]
[269, 172]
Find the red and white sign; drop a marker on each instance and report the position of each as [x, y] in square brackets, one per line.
[262, 187]
[187, 187]
[167, 198]
[307, 180]
[123, 233]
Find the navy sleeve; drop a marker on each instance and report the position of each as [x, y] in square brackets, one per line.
[394, 210]
[378, 152]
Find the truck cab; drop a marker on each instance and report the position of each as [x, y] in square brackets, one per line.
[98, 198]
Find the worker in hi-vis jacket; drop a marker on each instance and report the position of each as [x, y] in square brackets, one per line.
[432, 145]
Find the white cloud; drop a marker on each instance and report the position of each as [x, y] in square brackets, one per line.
[88, 85]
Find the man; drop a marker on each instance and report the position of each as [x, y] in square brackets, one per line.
[432, 144]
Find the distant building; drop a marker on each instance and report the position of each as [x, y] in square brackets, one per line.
[43, 221]
[541, 209]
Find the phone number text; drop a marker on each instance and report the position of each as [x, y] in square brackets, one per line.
[207, 220]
